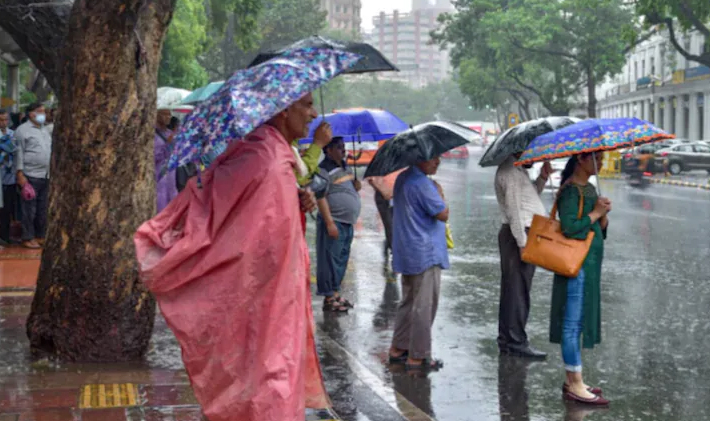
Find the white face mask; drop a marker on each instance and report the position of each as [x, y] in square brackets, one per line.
[40, 118]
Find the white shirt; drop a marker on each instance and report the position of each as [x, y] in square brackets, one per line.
[518, 198]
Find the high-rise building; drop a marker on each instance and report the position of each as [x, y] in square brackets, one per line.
[405, 39]
[343, 15]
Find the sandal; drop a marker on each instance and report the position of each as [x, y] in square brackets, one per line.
[334, 306]
[426, 364]
[344, 302]
[399, 359]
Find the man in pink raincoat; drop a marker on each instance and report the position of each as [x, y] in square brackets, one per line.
[228, 264]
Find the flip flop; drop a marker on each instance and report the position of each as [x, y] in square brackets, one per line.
[401, 359]
[426, 365]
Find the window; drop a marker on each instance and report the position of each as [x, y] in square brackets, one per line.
[643, 68]
[683, 148]
[702, 149]
[636, 70]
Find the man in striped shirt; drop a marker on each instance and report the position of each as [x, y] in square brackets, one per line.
[518, 199]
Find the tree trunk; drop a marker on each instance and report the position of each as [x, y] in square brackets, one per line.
[89, 304]
[591, 94]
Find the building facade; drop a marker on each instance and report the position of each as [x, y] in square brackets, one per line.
[343, 15]
[405, 39]
[659, 85]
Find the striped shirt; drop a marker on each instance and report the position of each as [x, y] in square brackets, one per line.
[518, 198]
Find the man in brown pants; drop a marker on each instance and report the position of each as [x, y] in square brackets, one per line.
[419, 254]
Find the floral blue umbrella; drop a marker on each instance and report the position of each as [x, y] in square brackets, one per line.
[252, 97]
[593, 135]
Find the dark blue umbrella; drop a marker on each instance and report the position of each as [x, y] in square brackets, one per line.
[360, 124]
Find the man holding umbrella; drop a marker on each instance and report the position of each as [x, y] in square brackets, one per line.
[519, 200]
[228, 262]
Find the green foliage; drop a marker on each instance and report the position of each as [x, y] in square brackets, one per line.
[280, 23]
[436, 101]
[686, 14]
[195, 27]
[547, 50]
[185, 41]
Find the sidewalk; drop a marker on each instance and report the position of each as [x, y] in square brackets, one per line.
[155, 389]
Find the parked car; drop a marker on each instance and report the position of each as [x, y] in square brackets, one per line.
[555, 179]
[684, 157]
[460, 152]
[641, 158]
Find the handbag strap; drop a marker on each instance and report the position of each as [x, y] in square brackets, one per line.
[553, 212]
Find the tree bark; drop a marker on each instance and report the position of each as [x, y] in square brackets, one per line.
[39, 32]
[89, 304]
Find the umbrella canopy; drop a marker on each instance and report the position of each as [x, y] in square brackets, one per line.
[203, 93]
[592, 135]
[516, 139]
[372, 60]
[251, 97]
[360, 125]
[170, 97]
[418, 144]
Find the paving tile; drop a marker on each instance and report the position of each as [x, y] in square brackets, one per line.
[19, 400]
[159, 414]
[169, 395]
[112, 414]
[188, 414]
[64, 414]
[19, 273]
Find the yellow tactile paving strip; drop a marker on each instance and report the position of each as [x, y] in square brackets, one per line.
[101, 396]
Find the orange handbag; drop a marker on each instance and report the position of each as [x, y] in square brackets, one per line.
[549, 249]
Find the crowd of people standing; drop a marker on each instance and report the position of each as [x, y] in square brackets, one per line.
[25, 155]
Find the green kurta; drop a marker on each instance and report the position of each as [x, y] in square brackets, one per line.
[568, 206]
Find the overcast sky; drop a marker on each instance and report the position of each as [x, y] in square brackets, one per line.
[372, 8]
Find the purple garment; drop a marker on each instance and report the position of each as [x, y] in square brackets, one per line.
[166, 187]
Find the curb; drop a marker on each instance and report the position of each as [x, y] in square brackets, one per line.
[678, 183]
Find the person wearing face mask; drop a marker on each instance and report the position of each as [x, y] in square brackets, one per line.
[33, 155]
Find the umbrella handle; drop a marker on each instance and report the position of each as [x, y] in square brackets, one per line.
[596, 172]
[322, 104]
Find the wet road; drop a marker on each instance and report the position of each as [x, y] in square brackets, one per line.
[652, 362]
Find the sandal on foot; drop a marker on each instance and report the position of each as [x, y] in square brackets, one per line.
[426, 365]
[591, 389]
[344, 302]
[399, 359]
[334, 306]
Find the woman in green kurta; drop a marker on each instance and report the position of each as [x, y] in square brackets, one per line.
[576, 303]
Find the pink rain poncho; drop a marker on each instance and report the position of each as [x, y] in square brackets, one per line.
[228, 264]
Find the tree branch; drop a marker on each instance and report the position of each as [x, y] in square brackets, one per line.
[39, 32]
[677, 46]
[687, 11]
[644, 38]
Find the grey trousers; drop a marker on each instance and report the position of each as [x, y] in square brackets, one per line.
[416, 313]
[515, 284]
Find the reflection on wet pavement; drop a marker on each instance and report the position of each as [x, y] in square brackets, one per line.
[652, 362]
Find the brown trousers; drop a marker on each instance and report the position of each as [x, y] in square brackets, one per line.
[416, 313]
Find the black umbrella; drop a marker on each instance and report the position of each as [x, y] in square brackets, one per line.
[516, 139]
[418, 144]
[372, 61]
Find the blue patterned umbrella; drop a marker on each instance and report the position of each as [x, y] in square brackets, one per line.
[593, 135]
[252, 97]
